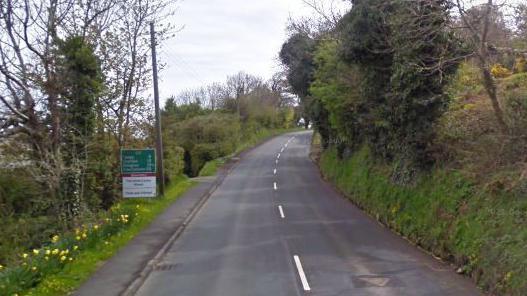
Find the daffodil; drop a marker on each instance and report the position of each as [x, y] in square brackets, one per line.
[36, 252]
[1, 267]
[25, 255]
[62, 258]
[48, 252]
[34, 268]
[55, 238]
[55, 251]
[46, 258]
[84, 235]
[75, 248]
[95, 227]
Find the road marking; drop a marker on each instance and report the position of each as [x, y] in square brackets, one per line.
[281, 212]
[282, 150]
[278, 156]
[301, 273]
[274, 171]
[286, 144]
[276, 161]
[275, 187]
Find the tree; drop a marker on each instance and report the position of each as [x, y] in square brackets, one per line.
[479, 29]
[297, 55]
[364, 33]
[48, 96]
[425, 55]
[81, 85]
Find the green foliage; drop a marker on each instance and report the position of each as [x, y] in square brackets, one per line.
[445, 214]
[421, 49]
[297, 55]
[205, 138]
[81, 85]
[335, 89]
[382, 82]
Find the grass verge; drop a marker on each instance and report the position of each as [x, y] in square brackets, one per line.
[483, 233]
[211, 167]
[44, 273]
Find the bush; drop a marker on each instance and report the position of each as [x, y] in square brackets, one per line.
[173, 161]
[207, 137]
[499, 71]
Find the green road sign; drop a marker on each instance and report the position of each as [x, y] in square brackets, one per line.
[138, 161]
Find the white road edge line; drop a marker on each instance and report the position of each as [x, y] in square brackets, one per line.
[301, 273]
[275, 187]
[281, 212]
[274, 172]
[278, 156]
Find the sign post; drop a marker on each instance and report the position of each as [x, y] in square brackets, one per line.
[138, 169]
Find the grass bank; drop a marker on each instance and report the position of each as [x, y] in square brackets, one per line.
[211, 167]
[60, 266]
[483, 233]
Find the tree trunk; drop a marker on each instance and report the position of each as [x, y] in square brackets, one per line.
[491, 89]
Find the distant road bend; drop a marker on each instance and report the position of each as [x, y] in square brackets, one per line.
[274, 227]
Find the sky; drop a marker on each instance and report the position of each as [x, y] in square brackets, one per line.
[223, 37]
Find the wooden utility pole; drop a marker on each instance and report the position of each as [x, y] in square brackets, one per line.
[159, 139]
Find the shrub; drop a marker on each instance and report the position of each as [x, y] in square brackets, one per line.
[207, 137]
[499, 71]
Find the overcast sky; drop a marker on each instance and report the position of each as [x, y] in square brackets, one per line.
[223, 37]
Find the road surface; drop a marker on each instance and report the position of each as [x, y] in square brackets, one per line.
[274, 227]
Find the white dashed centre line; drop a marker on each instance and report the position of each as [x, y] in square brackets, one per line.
[274, 171]
[301, 273]
[276, 161]
[278, 156]
[282, 150]
[275, 187]
[281, 212]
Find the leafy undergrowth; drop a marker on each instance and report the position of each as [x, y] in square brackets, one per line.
[60, 266]
[483, 233]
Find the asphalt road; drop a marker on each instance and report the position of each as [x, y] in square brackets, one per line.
[287, 232]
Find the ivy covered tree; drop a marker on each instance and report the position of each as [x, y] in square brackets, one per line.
[81, 85]
[425, 54]
[297, 55]
[365, 43]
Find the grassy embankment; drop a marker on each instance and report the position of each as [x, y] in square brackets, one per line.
[484, 234]
[211, 167]
[60, 266]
